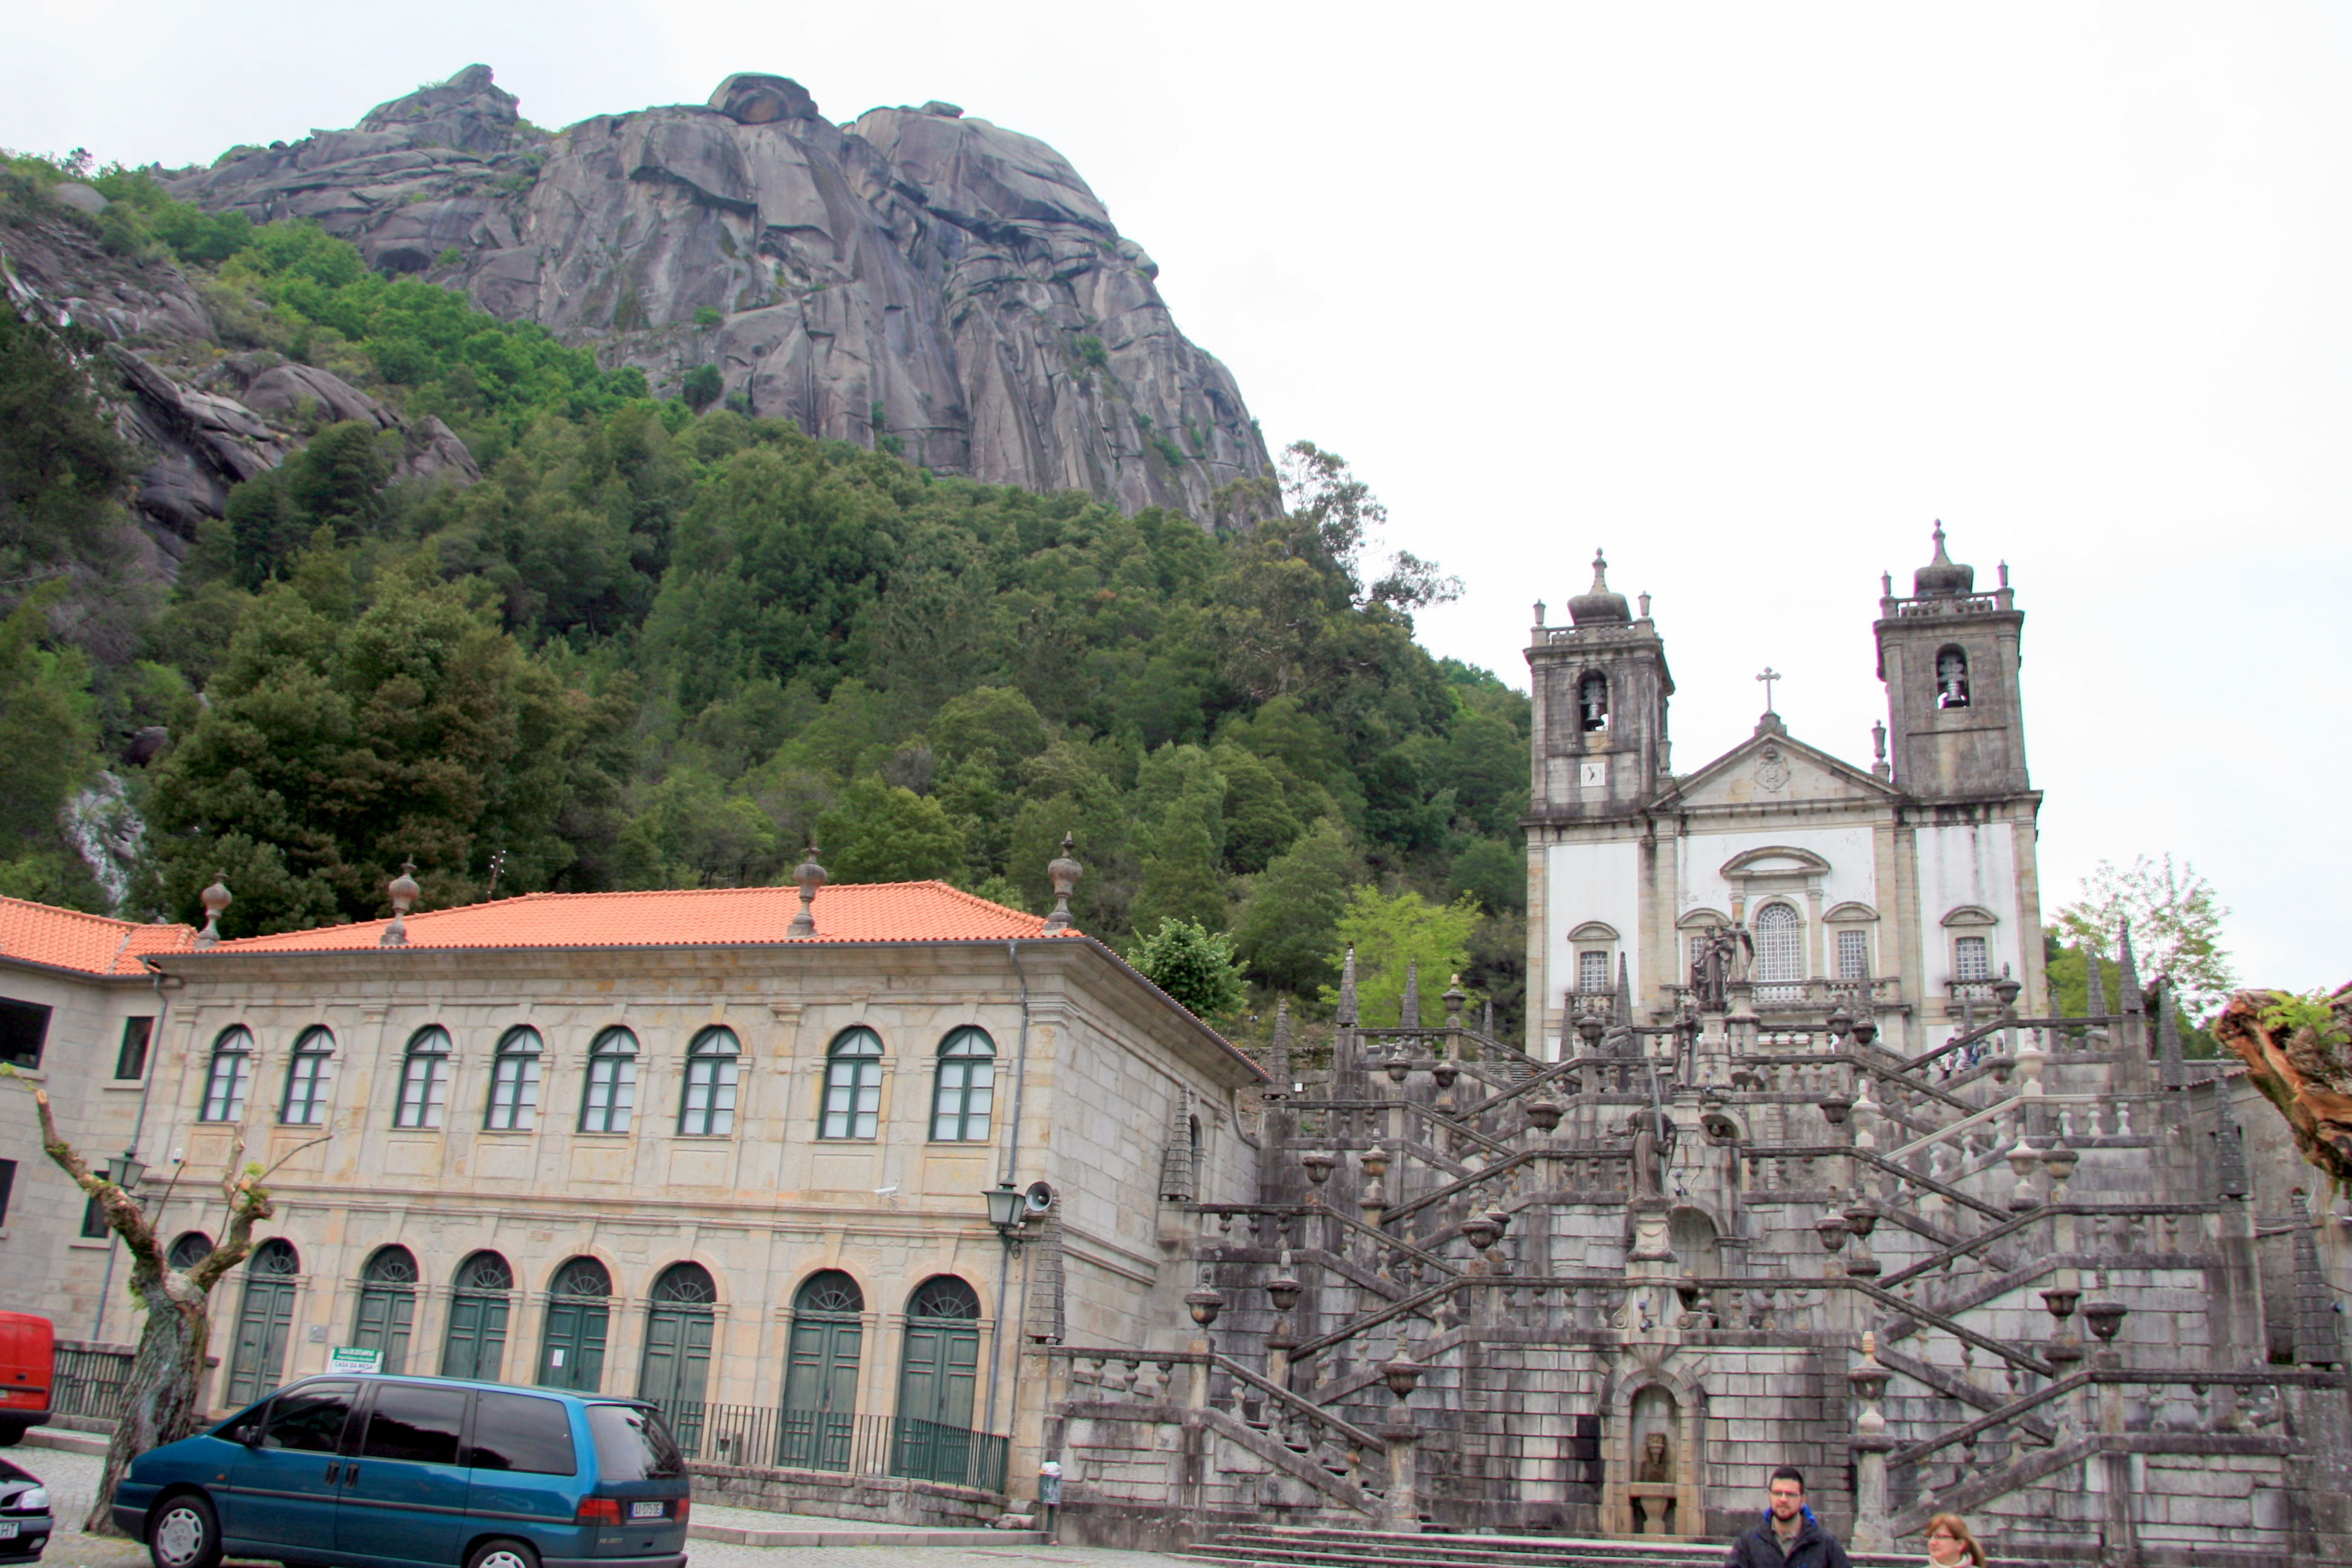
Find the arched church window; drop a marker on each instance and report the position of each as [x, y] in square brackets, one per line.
[1592, 702]
[1951, 678]
[1779, 953]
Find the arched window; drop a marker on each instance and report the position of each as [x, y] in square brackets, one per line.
[578, 1313]
[514, 1082]
[1779, 953]
[707, 1106]
[677, 1347]
[188, 1249]
[230, 1076]
[387, 1306]
[828, 1334]
[423, 1078]
[853, 1085]
[476, 1345]
[966, 1091]
[1592, 702]
[308, 1072]
[937, 1374]
[265, 1321]
[1951, 678]
[609, 1100]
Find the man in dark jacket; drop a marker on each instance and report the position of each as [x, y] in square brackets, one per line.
[1788, 1536]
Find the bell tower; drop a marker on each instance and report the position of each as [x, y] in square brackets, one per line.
[1601, 686]
[1950, 657]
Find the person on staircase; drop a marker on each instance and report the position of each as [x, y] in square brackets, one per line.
[1788, 1536]
[1951, 1544]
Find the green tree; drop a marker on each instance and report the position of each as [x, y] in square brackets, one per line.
[1191, 964]
[701, 387]
[61, 466]
[49, 738]
[1494, 874]
[1181, 879]
[885, 833]
[336, 745]
[1288, 921]
[2176, 924]
[1392, 932]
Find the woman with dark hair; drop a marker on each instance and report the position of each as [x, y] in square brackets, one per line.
[1951, 1546]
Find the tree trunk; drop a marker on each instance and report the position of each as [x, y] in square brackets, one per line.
[159, 1403]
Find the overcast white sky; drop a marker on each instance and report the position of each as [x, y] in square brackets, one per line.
[1750, 295]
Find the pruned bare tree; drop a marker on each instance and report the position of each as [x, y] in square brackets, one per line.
[2298, 1052]
[159, 1403]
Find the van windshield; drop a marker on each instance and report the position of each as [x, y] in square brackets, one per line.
[631, 1443]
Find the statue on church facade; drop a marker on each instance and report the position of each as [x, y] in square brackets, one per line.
[1657, 1460]
[1722, 958]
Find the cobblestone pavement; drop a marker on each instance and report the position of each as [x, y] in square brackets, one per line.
[72, 1480]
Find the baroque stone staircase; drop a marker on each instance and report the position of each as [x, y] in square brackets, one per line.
[1273, 1547]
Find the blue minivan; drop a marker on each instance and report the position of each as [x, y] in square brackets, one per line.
[379, 1472]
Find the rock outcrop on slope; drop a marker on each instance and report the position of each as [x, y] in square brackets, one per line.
[202, 417]
[917, 278]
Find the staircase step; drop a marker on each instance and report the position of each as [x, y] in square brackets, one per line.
[1274, 1546]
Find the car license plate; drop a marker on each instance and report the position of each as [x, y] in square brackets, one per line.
[8, 1529]
[646, 1510]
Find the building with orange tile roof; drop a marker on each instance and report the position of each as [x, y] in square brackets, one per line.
[686, 1144]
[78, 1012]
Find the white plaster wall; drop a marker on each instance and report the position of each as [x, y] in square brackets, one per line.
[1589, 882]
[1848, 850]
[1967, 864]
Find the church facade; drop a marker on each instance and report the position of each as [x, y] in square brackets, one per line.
[1909, 883]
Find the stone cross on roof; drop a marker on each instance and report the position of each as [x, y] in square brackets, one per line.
[1767, 677]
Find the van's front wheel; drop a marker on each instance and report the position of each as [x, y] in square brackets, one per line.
[502, 1554]
[184, 1533]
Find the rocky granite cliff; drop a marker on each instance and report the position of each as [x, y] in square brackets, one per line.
[917, 278]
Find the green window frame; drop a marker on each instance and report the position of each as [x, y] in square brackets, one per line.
[706, 1107]
[964, 1096]
[608, 1099]
[229, 1076]
[853, 1085]
[514, 1082]
[424, 1079]
[308, 1072]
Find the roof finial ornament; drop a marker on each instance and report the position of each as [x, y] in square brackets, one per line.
[811, 876]
[1600, 570]
[403, 890]
[1767, 677]
[1879, 767]
[1943, 577]
[216, 903]
[1597, 603]
[1409, 1009]
[1344, 1014]
[1064, 869]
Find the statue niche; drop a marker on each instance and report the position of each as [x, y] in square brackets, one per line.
[1653, 1499]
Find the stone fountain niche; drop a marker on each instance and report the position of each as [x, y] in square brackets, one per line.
[1652, 1486]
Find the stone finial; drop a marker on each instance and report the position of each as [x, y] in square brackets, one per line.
[1455, 997]
[1410, 1017]
[1624, 993]
[2317, 1340]
[1644, 599]
[1176, 1173]
[1880, 768]
[1065, 871]
[811, 876]
[1280, 1063]
[2127, 974]
[1345, 1014]
[1540, 613]
[2171, 1069]
[217, 902]
[403, 890]
[2095, 984]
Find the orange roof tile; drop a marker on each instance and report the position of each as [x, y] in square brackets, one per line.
[68, 939]
[690, 917]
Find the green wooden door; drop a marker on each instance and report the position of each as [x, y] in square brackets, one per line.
[265, 1321]
[571, 1353]
[937, 1375]
[579, 1312]
[677, 1362]
[821, 1391]
[476, 1342]
[386, 1313]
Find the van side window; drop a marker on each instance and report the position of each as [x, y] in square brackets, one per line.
[415, 1423]
[520, 1433]
[631, 1443]
[309, 1419]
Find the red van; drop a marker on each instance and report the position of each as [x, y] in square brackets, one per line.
[27, 1361]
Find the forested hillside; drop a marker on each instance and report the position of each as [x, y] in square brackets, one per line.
[660, 644]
